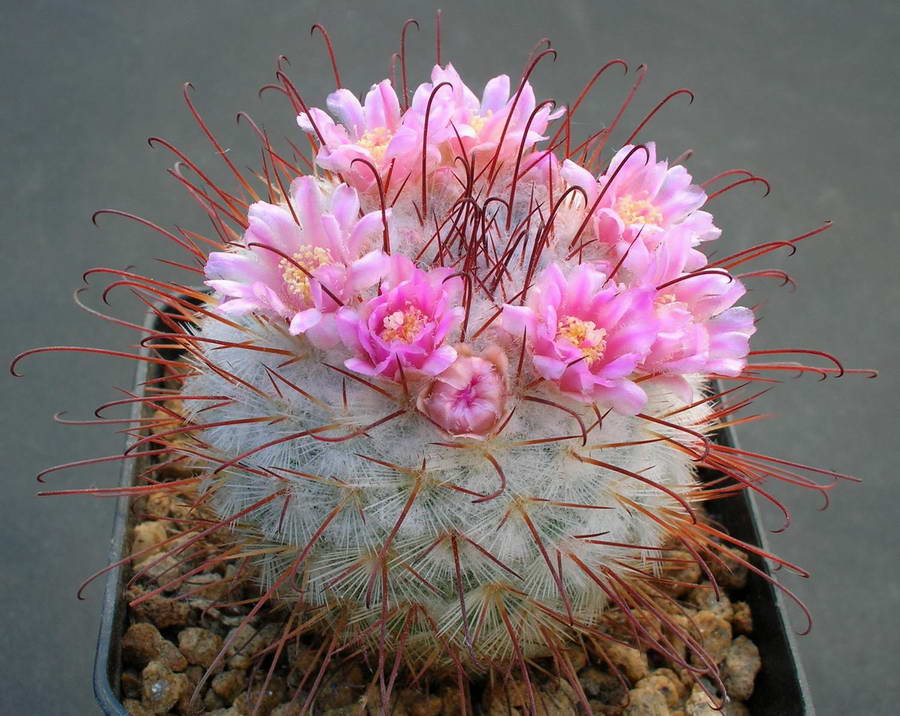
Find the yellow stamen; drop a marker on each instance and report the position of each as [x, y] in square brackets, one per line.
[376, 141]
[479, 120]
[638, 211]
[310, 258]
[585, 336]
[403, 325]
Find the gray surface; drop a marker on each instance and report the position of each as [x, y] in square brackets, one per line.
[804, 93]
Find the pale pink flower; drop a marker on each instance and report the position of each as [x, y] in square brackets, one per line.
[377, 132]
[469, 398]
[642, 203]
[478, 124]
[587, 334]
[700, 328]
[333, 245]
[405, 327]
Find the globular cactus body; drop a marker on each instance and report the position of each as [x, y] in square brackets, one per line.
[403, 508]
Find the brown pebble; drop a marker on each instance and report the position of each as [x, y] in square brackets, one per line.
[704, 598]
[742, 620]
[301, 658]
[160, 611]
[558, 698]
[224, 712]
[504, 696]
[171, 656]
[248, 642]
[288, 709]
[338, 694]
[742, 663]
[646, 702]
[160, 572]
[158, 504]
[715, 634]
[699, 704]
[162, 687]
[669, 686]
[272, 697]
[512, 698]
[205, 586]
[602, 687]
[730, 573]
[680, 688]
[212, 701]
[136, 708]
[143, 643]
[632, 662]
[684, 624]
[228, 684]
[200, 646]
[140, 644]
[578, 658]
[146, 535]
[682, 570]
[419, 704]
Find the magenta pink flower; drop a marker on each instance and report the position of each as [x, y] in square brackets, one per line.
[264, 275]
[642, 203]
[406, 326]
[469, 398]
[586, 334]
[375, 131]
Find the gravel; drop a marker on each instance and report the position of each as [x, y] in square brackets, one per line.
[178, 629]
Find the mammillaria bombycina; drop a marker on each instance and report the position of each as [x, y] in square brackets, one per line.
[455, 374]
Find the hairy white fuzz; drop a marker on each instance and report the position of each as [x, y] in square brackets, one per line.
[403, 511]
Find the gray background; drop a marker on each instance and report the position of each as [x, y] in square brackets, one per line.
[804, 93]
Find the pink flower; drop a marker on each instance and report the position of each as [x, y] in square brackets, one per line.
[701, 331]
[479, 123]
[642, 203]
[406, 325]
[587, 335]
[375, 131]
[710, 300]
[468, 399]
[259, 277]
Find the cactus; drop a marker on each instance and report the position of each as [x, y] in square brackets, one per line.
[451, 385]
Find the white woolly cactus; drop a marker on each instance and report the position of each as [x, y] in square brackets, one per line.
[454, 381]
[515, 523]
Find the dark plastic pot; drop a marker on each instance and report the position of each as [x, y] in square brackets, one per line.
[780, 689]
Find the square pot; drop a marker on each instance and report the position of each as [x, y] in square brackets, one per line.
[780, 687]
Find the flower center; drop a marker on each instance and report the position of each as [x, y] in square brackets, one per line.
[638, 211]
[375, 142]
[403, 325]
[310, 258]
[664, 298]
[478, 121]
[585, 336]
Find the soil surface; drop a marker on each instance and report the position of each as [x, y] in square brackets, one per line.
[173, 637]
